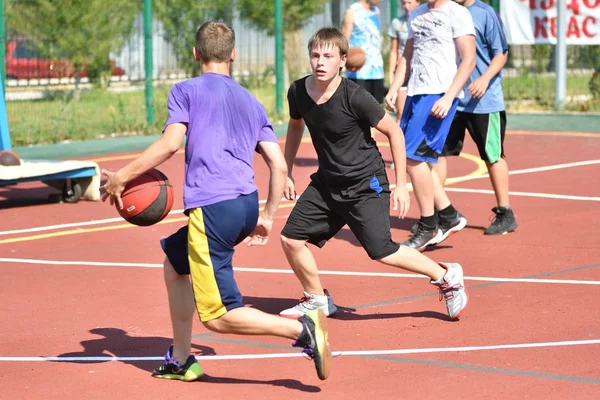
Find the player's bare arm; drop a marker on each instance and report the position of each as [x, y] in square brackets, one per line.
[293, 139]
[479, 86]
[393, 62]
[271, 153]
[157, 153]
[348, 23]
[400, 76]
[392, 131]
[466, 48]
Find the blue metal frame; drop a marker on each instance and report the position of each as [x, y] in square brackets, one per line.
[4, 134]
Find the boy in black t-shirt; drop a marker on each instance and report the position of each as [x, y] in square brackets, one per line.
[350, 186]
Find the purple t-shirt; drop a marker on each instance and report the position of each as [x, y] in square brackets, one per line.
[225, 123]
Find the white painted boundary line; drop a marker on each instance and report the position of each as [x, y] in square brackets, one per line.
[79, 224]
[449, 180]
[526, 194]
[335, 353]
[289, 271]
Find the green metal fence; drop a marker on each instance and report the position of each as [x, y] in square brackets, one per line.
[44, 106]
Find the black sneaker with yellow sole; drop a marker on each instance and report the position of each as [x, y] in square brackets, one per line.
[171, 369]
[314, 341]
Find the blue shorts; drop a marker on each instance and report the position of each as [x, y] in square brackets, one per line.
[425, 134]
[204, 249]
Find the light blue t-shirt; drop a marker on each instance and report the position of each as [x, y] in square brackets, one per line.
[366, 35]
[399, 30]
[490, 41]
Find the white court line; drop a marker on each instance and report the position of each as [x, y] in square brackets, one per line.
[526, 194]
[335, 353]
[79, 224]
[449, 180]
[289, 271]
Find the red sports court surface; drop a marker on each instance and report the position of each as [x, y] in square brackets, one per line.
[85, 313]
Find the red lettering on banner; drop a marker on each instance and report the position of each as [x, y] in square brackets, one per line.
[574, 5]
[573, 28]
[591, 3]
[540, 27]
[585, 29]
[545, 27]
[546, 4]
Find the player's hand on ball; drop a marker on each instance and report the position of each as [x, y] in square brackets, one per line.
[441, 107]
[390, 101]
[401, 200]
[113, 187]
[290, 189]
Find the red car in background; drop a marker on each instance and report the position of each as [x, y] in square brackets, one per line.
[22, 62]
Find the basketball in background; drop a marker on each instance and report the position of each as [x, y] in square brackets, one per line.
[9, 158]
[147, 199]
[356, 58]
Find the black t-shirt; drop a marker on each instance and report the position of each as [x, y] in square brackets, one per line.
[341, 131]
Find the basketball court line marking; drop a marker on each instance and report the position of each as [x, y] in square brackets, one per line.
[289, 271]
[526, 194]
[351, 353]
[449, 181]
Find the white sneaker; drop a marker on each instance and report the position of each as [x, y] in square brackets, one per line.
[311, 302]
[452, 289]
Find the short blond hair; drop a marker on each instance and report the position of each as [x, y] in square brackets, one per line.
[215, 41]
[329, 35]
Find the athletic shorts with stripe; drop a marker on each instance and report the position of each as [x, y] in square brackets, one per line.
[204, 249]
[487, 131]
[425, 134]
[322, 210]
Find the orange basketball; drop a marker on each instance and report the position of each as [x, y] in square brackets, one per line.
[147, 199]
[356, 58]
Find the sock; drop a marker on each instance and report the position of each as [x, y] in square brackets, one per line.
[448, 212]
[429, 222]
[441, 280]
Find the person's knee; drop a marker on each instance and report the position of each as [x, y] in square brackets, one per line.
[216, 325]
[291, 245]
[171, 276]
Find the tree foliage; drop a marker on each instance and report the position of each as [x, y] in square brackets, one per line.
[82, 31]
[296, 13]
[182, 18]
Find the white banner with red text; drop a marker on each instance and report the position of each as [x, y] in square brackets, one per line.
[534, 21]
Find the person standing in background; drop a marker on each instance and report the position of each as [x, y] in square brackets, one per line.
[361, 26]
[398, 34]
[481, 112]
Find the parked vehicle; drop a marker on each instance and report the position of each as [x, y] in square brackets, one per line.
[22, 62]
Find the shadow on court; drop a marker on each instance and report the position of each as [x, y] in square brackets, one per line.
[349, 314]
[13, 196]
[275, 305]
[117, 342]
[287, 383]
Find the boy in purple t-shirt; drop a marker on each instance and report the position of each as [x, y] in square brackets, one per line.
[224, 125]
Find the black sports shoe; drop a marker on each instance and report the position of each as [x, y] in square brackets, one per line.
[314, 341]
[449, 226]
[414, 228]
[423, 237]
[504, 222]
[171, 369]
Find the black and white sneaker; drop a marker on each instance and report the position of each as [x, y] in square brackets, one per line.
[449, 226]
[423, 237]
[504, 222]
